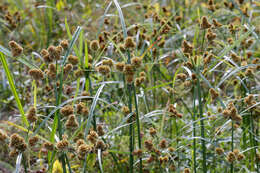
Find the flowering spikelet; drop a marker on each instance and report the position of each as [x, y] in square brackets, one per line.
[129, 69]
[46, 56]
[148, 145]
[186, 170]
[79, 107]
[100, 130]
[73, 59]
[108, 62]
[163, 144]
[33, 140]
[216, 23]
[67, 68]
[103, 69]
[214, 94]
[100, 145]
[72, 122]
[63, 144]
[94, 45]
[78, 73]
[136, 62]
[186, 47]
[36, 74]
[17, 142]
[164, 159]
[92, 137]
[84, 149]
[31, 115]
[210, 35]
[49, 146]
[129, 78]
[67, 110]
[219, 151]
[55, 52]
[249, 100]
[120, 66]
[125, 110]
[3, 136]
[13, 153]
[16, 49]
[64, 44]
[129, 43]
[205, 23]
[231, 157]
[240, 157]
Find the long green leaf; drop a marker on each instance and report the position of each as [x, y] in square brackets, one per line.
[13, 89]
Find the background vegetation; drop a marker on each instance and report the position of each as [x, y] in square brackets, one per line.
[120, 86]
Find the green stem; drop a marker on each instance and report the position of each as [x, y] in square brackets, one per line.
[194, 132]
[138, 129]
[232, 146]
[203, 146]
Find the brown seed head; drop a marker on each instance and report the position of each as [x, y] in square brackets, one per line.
[94, 45]
[33, 140]
[120, 66]
[17, 142]
[163, 144]
[31, 115]
[49, 146]
[231, 157]
[103, 69]
[16, 49]
[136, 62]
[72, 122]
[219, 151]
[67, 110]
[36, 74]
[64, 44]
[205, 23]
[73, 59]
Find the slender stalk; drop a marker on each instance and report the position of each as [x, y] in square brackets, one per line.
[138, 129]
[194, 131]
[131, 147]
[232, 146]
[203, 146]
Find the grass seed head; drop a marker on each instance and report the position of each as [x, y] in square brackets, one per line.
[31, 115]
[67, 110]
[33, 140]
[16, 49]
[205, 23]
[64, 44]
[73, 59]
[72, 122]
[129, 43]
[94, 45]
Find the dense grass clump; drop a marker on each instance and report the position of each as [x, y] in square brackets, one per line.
[120, 86]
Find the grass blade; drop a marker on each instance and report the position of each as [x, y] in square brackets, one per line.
[13, 89]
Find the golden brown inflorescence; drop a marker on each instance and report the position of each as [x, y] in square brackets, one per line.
[94, 45]
[36, 74]
[186, 47]
[63, 144]
[31, 115]
[205, 23]
[17, 142]
[72, 122]
[16, 49]
[103, 69]
[129, 43]
[67, 110]
[73, 59]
